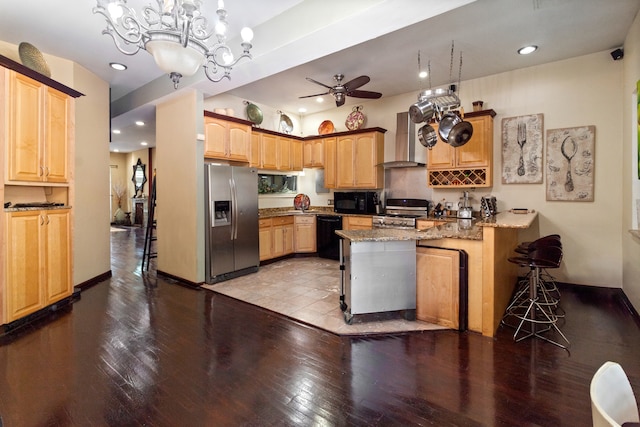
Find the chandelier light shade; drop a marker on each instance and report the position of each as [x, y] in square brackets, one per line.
[176, 34]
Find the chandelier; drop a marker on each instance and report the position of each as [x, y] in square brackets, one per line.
[175, 33]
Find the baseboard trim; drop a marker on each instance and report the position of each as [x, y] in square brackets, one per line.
[94, 281]
[180, 281]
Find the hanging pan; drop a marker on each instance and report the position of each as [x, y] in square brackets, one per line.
[447, 122]
[460, 134]
[427, 136]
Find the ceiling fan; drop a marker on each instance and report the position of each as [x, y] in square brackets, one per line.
[340, 91]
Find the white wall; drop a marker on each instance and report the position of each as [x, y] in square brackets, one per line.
[629, 166]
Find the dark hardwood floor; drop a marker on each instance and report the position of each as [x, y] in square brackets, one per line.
[137, 350]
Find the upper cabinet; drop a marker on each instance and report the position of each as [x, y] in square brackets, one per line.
[38, 131]
[278, 151]
[314, 153]
[226, 138]
[354, 159]
[468, 166]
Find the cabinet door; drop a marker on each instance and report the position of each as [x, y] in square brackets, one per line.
[56, 136]
[239, 135]
[269, 148]
[284, 153]
[437, 286]
[305, 234]
[278, 236]
[57, 249]
[365, 161]
[477, 152]
[288, 239]
[266, 243]
[24, 129]
[307, 154]
[357, 223]
[345, 162]
[441, 156]
[255, 157]
[318, 153]
[296, 155]
[24, 264]
[215, 135]
[330, 151]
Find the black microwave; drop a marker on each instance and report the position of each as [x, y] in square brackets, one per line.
[355, 202]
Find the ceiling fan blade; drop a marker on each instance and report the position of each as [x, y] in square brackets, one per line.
[312, 96]
[317, 82]
[356, 83]
[364, 94]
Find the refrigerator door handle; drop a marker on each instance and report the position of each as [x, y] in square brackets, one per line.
[234, 209]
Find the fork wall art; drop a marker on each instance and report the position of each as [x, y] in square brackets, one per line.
[522, 149]
[570, 163]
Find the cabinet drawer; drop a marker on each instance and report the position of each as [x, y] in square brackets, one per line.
[264, 222]
[363, 221]
[305, 219]
[282, 220]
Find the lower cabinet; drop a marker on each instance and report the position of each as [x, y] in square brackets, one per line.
[276, 237]
[305, 234]
[423, 224]
[357, 223]
[38, 270]
[437, 286]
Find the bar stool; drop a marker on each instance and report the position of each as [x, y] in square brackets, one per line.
[536, 310]
[550, 295]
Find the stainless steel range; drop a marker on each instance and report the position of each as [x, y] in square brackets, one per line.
[401, 213]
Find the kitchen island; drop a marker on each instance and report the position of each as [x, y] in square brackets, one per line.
[488, 243]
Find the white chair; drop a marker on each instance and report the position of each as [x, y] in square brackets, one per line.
[612, 398]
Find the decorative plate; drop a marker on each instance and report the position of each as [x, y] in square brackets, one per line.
[301, 202]
[355, 119]
[326, 127]
[254, 114]
[285, 123]
[32, 58]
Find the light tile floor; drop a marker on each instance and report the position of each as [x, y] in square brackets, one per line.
[308, 290]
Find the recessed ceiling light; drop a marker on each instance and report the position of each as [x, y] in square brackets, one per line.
[422, 74]
[116, 131]
[527, 50]
[140, 123]
[117, 66]
[144, 143]
[116, 151]
[319, 99]
[302, 110]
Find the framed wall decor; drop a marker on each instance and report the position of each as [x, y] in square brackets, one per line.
[570, 163]
[522, 149]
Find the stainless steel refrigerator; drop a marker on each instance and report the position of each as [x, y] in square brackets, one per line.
[231, 239]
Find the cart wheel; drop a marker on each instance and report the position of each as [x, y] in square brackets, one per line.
[348, 318]
[343, 306]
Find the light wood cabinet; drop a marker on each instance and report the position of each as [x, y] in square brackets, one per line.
[38, 267]
[423, 224]
[437, 286]
[296, 155]
[330, 161]
[269, 151]
[38, 131]
[313, 153]
[255, 156]
[357, 223]
[283, 154]
[359, 157]
[276, 237]
[305, 234]
[224, 139]
[468, 166]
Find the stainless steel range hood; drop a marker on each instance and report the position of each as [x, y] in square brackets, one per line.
[407, 153]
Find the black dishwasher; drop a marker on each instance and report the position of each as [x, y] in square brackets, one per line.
[327, 240]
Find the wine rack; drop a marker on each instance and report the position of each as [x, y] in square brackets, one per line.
[459, 178]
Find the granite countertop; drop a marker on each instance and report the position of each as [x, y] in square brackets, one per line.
[313, 210]
[34, 208]
[463, 229]
[505, 219]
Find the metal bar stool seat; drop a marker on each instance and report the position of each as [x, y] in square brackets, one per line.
[535, 311]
